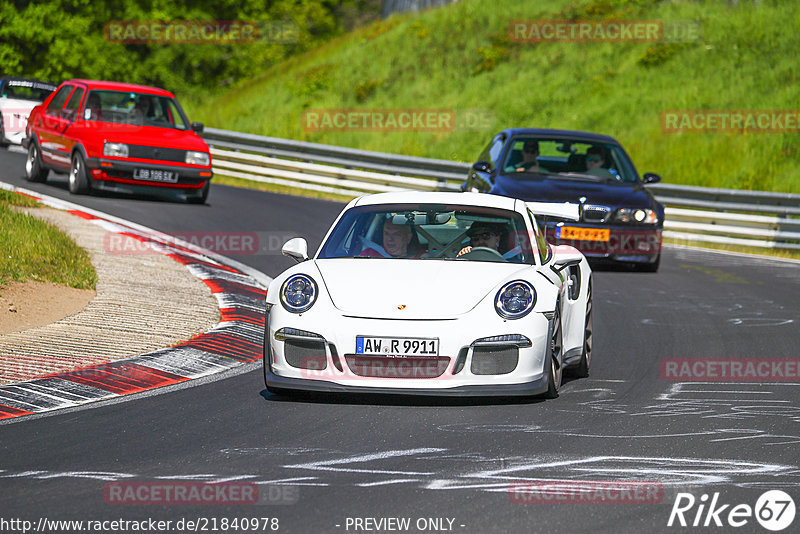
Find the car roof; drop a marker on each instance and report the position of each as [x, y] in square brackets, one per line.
[589, 136]
[119, 86]
[438, 197]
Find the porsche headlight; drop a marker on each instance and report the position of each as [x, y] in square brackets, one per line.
[515, 300]
[119, 150]
[197, 158]
[298, 294]
[637, 215]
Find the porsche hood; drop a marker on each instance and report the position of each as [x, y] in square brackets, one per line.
[410, 289]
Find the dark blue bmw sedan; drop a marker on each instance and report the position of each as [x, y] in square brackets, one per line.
[620, 219]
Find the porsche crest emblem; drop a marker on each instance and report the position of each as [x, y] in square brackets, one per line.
[401, 307]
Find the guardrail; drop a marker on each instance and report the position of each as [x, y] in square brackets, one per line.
[693, 214]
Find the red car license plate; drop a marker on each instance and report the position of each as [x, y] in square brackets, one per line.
[155, 175]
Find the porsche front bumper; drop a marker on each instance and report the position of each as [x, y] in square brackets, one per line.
[323, 358]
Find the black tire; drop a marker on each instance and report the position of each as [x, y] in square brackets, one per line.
[203, 195]
[34, 169]
[78, 182]
[582, 370]
[556, 358]
[650, 267]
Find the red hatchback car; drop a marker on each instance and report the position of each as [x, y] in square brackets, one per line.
[118, 137]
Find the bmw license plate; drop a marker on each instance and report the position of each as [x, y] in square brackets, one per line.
[583, 234]
[397, 346]
[155, 175]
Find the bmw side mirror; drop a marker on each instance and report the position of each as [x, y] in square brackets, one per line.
[650, 178]
[296, 248]
[197, 127]
[482, 166]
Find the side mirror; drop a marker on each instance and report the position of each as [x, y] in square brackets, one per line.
[296, 248]
[482, 166]
[562, 263]
[197, 127]
[565, 256]
[650, 178]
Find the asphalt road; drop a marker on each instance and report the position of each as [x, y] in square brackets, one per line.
[323, 462]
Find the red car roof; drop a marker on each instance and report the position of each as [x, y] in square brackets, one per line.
[119, 86]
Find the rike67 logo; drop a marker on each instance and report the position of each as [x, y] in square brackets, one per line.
[774, 510]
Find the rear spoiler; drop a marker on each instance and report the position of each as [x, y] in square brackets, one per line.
[563, 210]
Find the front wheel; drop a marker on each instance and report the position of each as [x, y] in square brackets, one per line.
[34, 169]
[650, 267]
[201, 199]
[556, 358]
[78, 182]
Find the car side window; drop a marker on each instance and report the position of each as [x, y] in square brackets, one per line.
[75, 100]
[58, 101]
[492, 151]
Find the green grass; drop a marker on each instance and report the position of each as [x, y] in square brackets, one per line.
[461, 58]
[31, 249]
[776, 252]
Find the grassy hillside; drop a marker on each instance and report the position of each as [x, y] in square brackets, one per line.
[461, 57]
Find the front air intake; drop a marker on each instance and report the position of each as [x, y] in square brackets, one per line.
[494, 360]
[304, 354]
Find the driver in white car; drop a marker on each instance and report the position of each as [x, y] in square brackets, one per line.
[483, 234]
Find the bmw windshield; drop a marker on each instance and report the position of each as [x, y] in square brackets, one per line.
[568, 157]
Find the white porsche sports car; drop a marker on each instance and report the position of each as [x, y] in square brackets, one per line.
[431, 293]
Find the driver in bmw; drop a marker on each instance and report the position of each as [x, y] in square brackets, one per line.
[483, 234]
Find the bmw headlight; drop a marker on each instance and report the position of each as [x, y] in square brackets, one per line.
[515, 300]
[637, 215]
[119, 150]
[298, 294]
[197, 158]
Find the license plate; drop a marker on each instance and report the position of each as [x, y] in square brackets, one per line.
[583, 234]
[155, 175]
[398, 347]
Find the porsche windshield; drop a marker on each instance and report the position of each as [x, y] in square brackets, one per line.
[140, 109]
[429, 231]
[568, 157]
